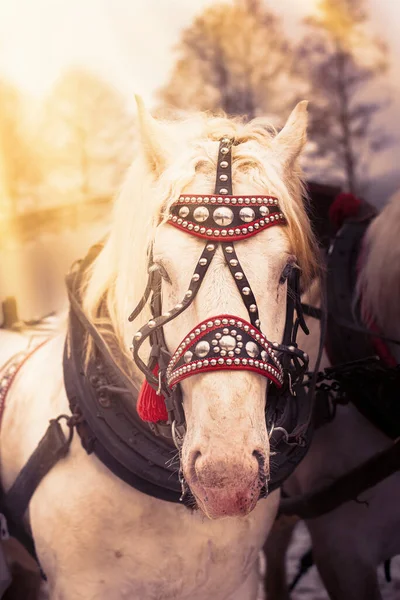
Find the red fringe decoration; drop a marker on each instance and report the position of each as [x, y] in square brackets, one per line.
[343, 207]
[151, 406]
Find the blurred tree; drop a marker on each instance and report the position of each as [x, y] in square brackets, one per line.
[234, 57]
[89, 134]
[342, 61]
[20, 169]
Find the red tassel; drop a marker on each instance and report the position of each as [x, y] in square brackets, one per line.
[150, 405]
[343, 207]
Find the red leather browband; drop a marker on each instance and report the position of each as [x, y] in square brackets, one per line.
[232, 218]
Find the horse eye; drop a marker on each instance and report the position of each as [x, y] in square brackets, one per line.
[286, 272]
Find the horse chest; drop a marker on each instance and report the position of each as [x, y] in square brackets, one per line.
[120, 543]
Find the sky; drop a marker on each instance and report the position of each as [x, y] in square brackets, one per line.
[131, 42]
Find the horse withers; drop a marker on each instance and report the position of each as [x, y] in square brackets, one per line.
[178, 507]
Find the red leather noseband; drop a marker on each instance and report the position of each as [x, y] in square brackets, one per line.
[224, 342]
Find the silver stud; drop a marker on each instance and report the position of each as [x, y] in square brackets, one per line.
[202, 349]
[252, 349]
[264, 210]
[201, 214]
[233, 262]
[264, 355]
[223, 191]
[167, 314]
[210, 247]
[224, 150]
[202, 262]
[217, 349]
[196, 277]
[223, 164]
[178, 306]
[189, 294]
[151, 324]
[213, 362]
[253, 308]
[223, 215]
[227, 342]
[237, 350]
[218, 336]
[138, 336]
[221, 361]
[246, 291]
[187, 357]
[247, 214]
[223, 177]
[239, 275]
[258, 322]
[214, 342]
[222, 353]
[183, 211]
[229, 249]
[209, 232]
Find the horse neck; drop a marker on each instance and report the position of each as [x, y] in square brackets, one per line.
[378, 286]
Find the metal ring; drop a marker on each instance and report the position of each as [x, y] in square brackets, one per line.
[176, 435]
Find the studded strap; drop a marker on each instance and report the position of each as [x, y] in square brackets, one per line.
[223, 183]
[242, 283]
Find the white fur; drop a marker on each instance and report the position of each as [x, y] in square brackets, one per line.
[349, 542]
[96, 537]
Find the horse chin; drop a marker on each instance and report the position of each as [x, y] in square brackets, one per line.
[217, 503]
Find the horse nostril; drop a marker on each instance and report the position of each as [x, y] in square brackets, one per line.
[195, 456]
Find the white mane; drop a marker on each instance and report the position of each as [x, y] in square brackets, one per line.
[379, 278]
[120, 272]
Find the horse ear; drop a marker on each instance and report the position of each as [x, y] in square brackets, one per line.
[154, 140]
[291, 139]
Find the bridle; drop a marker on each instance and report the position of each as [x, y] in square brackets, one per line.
[224, 342]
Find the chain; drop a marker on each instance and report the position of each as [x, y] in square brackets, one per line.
[367, 378]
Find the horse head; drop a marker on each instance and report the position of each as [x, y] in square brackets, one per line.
[221, 261]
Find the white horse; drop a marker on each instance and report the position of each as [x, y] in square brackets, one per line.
[351, 541]
[97, 537]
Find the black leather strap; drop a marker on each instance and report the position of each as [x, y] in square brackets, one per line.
[52, 447]
[223, 182]
[242, 283]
